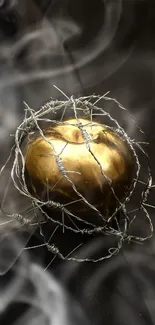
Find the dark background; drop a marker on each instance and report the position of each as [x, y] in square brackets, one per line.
[84, 47]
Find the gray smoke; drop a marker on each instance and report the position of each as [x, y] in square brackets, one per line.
[30, 64]
[46, 298]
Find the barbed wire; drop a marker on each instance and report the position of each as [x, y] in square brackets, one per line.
[83, 107]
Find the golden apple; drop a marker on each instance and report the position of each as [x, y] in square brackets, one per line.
[95, 168]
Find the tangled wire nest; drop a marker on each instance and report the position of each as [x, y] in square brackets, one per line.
[120, 222]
